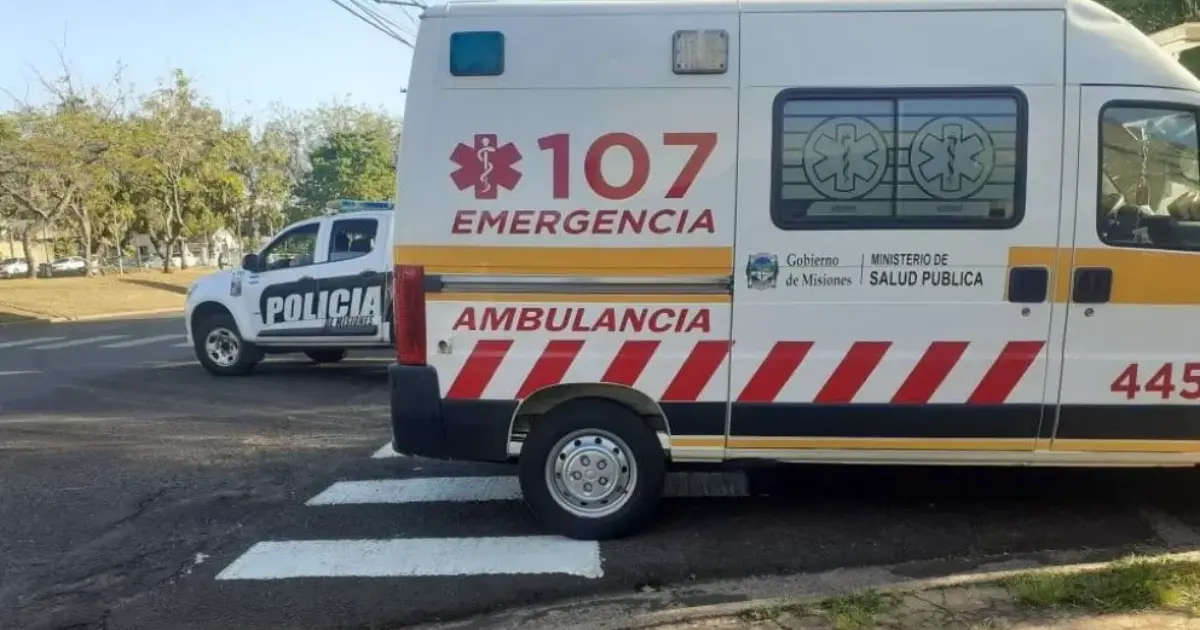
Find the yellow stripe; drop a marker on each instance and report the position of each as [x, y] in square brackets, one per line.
[1140, 276]
[569, 261]
[1128, 446]
[697, 442]
[882, 444]
[611, 298]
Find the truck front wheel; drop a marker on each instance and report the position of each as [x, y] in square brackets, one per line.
[591, 469]
[221, 349]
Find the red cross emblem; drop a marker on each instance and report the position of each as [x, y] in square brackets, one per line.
[486, 166]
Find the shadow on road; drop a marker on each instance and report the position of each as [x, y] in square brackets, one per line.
[162, 286]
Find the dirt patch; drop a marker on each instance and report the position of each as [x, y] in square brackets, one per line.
[45, 298]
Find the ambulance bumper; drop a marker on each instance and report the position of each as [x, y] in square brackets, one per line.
[425, 425]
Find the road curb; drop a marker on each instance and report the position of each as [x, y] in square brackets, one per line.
[34, 319]
[682, 604]
[657, 619]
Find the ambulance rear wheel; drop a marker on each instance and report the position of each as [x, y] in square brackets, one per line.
[591, 469]
[221, 349]
[326, 356]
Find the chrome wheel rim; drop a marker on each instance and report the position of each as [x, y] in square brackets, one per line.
[591, 473]
[222, 347]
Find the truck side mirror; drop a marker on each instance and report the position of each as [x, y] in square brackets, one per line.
[250, 262]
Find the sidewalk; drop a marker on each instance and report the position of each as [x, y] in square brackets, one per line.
[1159, 593]
[959, 608]
[1054, 590]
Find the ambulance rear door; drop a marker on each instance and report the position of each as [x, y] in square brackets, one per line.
[572, 203]
[880, 311]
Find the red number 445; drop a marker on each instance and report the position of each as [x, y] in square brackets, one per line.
[1160, 383]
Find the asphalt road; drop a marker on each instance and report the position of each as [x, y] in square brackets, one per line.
[138, 492]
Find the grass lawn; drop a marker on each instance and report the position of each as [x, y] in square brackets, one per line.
[41, 298]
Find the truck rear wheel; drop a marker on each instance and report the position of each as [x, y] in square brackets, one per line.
[326, 356]
[221, 349]
[591, 469]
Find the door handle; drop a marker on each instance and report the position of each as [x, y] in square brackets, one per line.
[1093, 285]
[368, 273]
[1028, 285]
[307, 279]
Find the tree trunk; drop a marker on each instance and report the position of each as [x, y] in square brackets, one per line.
[167, 252]
[183, 251]
[27, 245]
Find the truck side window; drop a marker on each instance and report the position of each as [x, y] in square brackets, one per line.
[1149, 177]
[352, 238]
[294, 248]
[897, 159]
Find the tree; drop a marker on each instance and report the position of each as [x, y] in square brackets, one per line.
[349, 165]
[179, 147]
[1152, 16]
[263, 163]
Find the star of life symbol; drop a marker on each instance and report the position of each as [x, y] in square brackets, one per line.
[486, 166]
[845, 157]
[952, 157]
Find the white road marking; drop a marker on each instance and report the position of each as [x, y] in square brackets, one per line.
[19, 372]
[516, 555]
[182, 345]
[78, 342]
[29, 342]
[385, 452]
[477, 489]
[142, 342]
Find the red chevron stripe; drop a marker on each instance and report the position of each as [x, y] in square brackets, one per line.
[854, 370]
[630, 361]
[929, 373]
[1008, 369]
[697, 371]
[479, 369]
[773, 373]
[551, 367]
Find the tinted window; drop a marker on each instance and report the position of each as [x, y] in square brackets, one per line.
[352, 238]
[886, 160]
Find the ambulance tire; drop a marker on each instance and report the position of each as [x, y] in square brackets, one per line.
[598, 421]
[325, 356]
[244, 356]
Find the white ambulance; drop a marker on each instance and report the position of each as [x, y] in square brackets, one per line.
[635, 234]
[321, 286]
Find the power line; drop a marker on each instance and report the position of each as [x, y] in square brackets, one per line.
[384, 20]
[374, 23]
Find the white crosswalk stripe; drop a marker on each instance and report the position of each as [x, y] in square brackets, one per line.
[509, 555]
[28, 342]
[473, 489]
[326, 555]
[132, 343]
[78, 342]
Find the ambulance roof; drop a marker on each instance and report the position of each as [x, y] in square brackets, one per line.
[557, 7]
[1105, 49]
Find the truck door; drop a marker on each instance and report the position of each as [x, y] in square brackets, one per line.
[883, 309]
[1131, 356]
[352, 281]
[279, 294]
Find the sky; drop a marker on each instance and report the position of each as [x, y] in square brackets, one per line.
[242, 54]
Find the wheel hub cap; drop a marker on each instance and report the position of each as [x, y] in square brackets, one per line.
[222, 347]
[591, 473]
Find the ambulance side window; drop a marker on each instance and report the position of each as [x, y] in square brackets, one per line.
[1149, 176]
[899, 159]
[352, 238]
[294, 248]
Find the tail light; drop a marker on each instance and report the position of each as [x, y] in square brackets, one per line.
[409, 320]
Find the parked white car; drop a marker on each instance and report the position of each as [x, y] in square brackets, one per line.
[13, 268]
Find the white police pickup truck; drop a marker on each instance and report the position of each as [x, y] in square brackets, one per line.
[322, 286]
